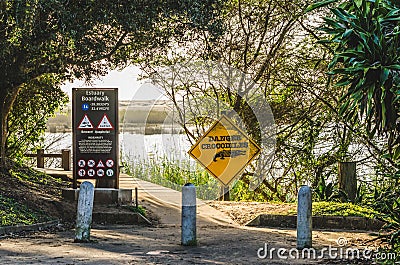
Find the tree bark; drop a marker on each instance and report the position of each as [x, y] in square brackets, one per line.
[3, 137]
[348, 179]
[3, 131]
[7, 99]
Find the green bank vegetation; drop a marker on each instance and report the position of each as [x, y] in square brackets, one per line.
[176, 174]
[14, 213]
[28, 196]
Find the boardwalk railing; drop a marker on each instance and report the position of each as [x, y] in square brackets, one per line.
[65, 158]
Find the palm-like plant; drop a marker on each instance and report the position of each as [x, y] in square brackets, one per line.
[366, 35]
[366, 63]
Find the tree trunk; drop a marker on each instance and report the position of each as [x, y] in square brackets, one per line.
[3, 138]
[347, 179]
[3, 131]
[7, 99]
[224, 194]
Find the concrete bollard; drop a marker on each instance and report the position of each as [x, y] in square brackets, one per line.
[304, 218]
[84, 213]
[189, 215]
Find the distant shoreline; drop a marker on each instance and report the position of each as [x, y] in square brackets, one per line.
[135, 128]
[143, 116]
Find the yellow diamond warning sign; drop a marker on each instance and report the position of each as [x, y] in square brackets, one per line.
[224, 150]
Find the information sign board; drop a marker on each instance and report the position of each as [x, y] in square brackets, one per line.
[95, 133]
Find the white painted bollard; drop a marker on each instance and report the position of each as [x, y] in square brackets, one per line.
[304, 218]
[84, 213]
[189, 215]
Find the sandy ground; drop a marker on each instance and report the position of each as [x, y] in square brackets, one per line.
[220, 239]
[244, 212]
[161, 245]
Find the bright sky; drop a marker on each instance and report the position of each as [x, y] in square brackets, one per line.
[126, 81]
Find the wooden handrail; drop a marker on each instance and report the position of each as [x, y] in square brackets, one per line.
[65, 158]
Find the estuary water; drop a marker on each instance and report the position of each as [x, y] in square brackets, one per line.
[132, 146]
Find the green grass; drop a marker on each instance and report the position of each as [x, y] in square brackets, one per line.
[21, 191]
[175, 174]
[14, 213]
[340, 209]
[139, 209]
[32, 176]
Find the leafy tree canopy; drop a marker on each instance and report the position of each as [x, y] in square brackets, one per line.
[37, 101]
[81, 39]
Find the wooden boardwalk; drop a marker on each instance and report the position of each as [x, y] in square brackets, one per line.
[126, 182]
[164, 202]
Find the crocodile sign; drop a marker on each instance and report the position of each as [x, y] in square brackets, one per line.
[224, 150]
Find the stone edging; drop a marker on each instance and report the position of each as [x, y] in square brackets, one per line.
[4, 230]
[124, 218]
[318, 222]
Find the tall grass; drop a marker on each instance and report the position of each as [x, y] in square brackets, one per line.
[174, 174]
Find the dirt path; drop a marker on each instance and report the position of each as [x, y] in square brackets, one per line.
[244, 212]
[167, 203]
[160, 245]
[221, 241]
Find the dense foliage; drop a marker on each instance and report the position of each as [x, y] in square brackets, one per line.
[268, 42]
[366, 65]
[75, 39]
[37, 101]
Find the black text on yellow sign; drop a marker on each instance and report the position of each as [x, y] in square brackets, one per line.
[224, 150]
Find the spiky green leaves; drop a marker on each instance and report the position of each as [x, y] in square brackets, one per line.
[366, 61]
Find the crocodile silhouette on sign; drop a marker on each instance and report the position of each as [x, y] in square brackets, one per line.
[228, 153]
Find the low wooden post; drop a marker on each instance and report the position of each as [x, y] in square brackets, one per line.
[84, 212]
[227, 196]
[347, 179]
[304, 218]
[224, 193]
[40, 158]
[66, 159]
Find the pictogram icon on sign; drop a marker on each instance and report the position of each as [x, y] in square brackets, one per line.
[109, 163]
[81, 172]
[81, 163]
[91, 163]
[105, 124]
[110, 172]
[85, 123]
[100, 172]
[100, 164]
[91, 172]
